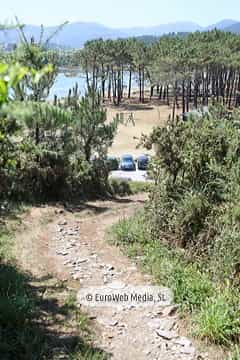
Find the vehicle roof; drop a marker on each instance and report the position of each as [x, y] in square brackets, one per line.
[143, 156]
[127, 156]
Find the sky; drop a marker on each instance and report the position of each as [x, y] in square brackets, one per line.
[120, 13]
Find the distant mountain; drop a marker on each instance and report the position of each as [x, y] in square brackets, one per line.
[235, 28]
[162, 29]
[222, 25]
[74, 35]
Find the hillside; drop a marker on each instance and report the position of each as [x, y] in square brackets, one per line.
[162, 29]
[74, 35]
[222, 25]
[235, 28]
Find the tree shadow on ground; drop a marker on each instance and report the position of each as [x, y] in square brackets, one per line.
[134, 107]
[100, 209]
[127, 201]
[77, 208]
[39, 320]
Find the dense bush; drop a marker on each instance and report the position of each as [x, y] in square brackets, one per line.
[49, 151]
[54, 152]
[195, 200]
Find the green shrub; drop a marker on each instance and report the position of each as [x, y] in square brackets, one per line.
[47, 176]
[195, 201]
[189, 218]
[225, 255]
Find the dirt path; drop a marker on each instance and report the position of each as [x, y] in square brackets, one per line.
[73, 247]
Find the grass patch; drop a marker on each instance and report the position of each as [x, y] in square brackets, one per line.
[219, 318]
[235, 354]
[127, 232]
[170, 268]
[189, 284]
[139, 186]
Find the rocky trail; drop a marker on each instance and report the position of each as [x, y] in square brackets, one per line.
[73, 247]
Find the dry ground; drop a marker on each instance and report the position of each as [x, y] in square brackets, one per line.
[146, 117]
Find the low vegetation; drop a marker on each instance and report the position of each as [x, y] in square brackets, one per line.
[187, 236]
[123, 187]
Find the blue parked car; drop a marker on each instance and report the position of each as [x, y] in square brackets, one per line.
[127, 163]
[142, 162]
